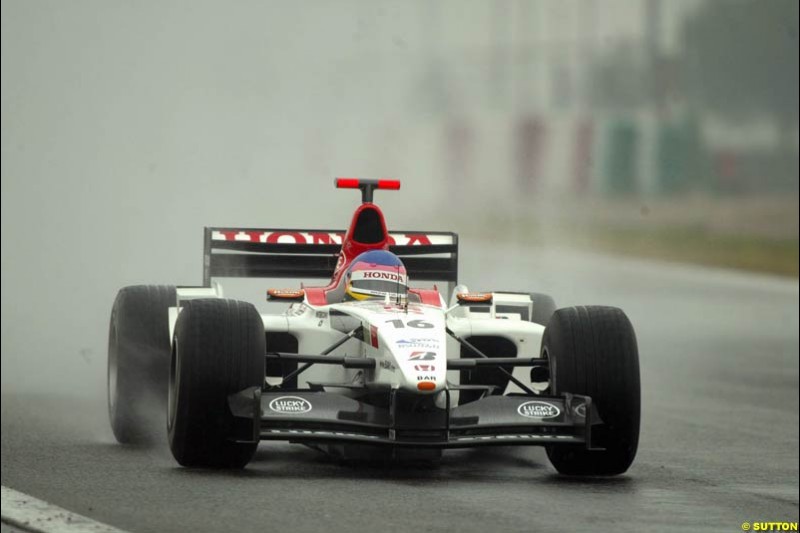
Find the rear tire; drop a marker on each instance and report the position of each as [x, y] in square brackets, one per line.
[219, 348]
[138, 362]
[593, 352]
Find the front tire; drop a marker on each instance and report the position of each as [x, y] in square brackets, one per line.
[138, 362]
[593, 352]
[219, 348]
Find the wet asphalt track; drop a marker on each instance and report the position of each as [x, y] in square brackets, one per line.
[719, 446]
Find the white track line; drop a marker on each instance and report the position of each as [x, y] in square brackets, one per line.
[31, 514]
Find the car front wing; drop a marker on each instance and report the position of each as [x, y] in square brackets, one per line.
[310, 416]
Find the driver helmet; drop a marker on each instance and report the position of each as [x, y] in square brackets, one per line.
[374, 274]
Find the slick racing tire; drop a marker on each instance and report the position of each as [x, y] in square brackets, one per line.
[138, 362]
[593, 352]
[218, 349]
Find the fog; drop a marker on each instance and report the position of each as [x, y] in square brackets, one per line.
[128, 126]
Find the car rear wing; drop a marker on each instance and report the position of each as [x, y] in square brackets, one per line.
[302, 253]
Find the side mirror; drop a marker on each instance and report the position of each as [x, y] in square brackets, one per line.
[286, 295]
[474, 298]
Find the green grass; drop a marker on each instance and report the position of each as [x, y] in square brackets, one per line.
[693, 240]
[692, 245]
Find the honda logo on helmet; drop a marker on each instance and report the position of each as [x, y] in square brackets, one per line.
[383, 275]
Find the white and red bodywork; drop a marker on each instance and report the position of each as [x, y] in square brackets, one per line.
[409, 342]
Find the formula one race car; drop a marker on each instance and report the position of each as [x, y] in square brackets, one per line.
[367, 363]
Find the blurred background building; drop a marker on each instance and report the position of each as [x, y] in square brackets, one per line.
[643, 98]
